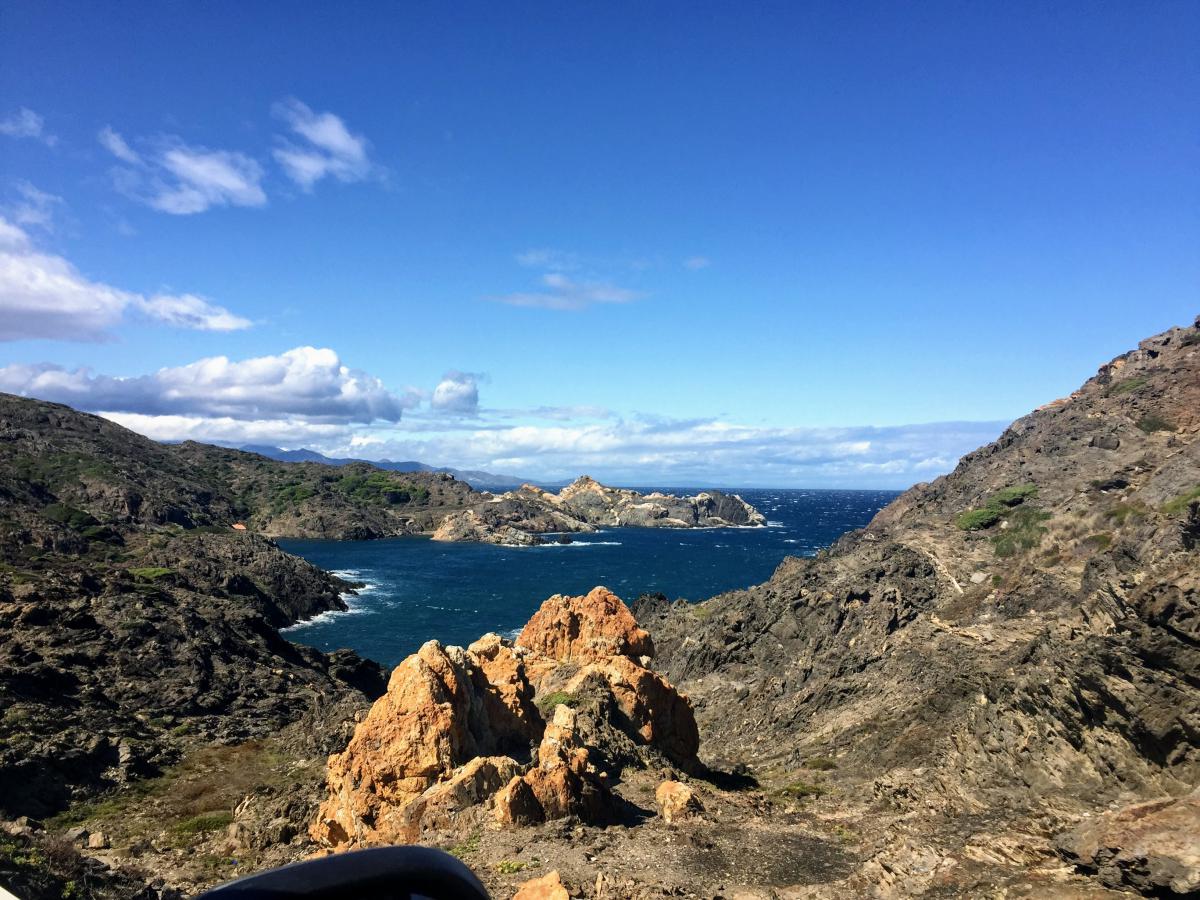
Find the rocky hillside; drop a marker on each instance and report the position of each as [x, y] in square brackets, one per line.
[518, 517]
[998, 656]
[135, 621]
[57, 462]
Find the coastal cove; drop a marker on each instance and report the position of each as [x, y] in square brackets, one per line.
[417, 589]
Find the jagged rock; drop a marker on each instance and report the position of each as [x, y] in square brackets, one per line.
[447, 736]
[581, 629]
[677, 801]
[1152, 847]
[470, 525]
[547, 887]
[440, 711]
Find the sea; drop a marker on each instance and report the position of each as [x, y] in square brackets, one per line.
[415, 589]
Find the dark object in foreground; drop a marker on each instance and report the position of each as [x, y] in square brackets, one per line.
[381, 873]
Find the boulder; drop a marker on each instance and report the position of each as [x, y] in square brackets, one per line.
[677, 801]
[1152, 847]
[547, 887]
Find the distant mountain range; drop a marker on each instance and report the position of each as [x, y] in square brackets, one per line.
[475, 478]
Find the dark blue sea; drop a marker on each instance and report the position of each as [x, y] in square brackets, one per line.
[417, 589]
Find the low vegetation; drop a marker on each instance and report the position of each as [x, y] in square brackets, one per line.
[799, 790]
[1177, 505]
[996, 508]
[1023, 532]
[820, 763]
[1126, 386]
[547, 703]
[1153, 422]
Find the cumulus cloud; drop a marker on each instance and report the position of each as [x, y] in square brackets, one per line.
[306, 383]
[183, 180]
[43, 296]
[25, 123]
[457, 392]
[326, 147]
[563, 293]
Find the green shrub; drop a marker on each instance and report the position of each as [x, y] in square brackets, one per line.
[976, 519]
[150, 573]
[1153, 422]
[1177, 505]
[68, 515]
[1117, 388]
[1101, 541]
[555, 698]
[203, 823]
[1024, 532]
[996, 507]
[513, 866]
[798, 790]
[467, 847]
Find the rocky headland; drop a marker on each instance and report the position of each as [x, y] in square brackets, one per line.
[991, 690]
[519, 517]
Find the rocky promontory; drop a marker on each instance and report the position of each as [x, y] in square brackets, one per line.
[518, 517]
[509, 733]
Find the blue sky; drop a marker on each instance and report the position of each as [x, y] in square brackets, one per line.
[799, 244]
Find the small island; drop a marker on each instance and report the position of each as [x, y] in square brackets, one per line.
[518, 518]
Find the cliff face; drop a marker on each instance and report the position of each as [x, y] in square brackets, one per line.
[998, 653]
[517, 517]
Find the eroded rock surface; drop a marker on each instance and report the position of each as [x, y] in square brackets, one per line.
[452, 736]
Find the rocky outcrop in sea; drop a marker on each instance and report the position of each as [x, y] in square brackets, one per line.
[518, 517]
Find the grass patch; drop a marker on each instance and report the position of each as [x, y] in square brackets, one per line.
[1101, 541]
[1024, 532]
[800, 790]
[150, 573]
[467, 847]
[996, 507]
[1178, 505]
[702, 611]
[203, 823]
[1125, 386]
[1153, 422]
[1126, 512]
[820, 763]
[556, 698]
[513, 866]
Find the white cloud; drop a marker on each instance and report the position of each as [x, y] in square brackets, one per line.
[183, 180]
[457, 392]
[205, 178]
[305, 384]
[697, 262]
[116, 145]
[562, 293]
[648, 450]
[35, 207]
[190, 311]
[43, 296]
[545, 258]
[228, 430]
[25, 123]
[328, 147]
